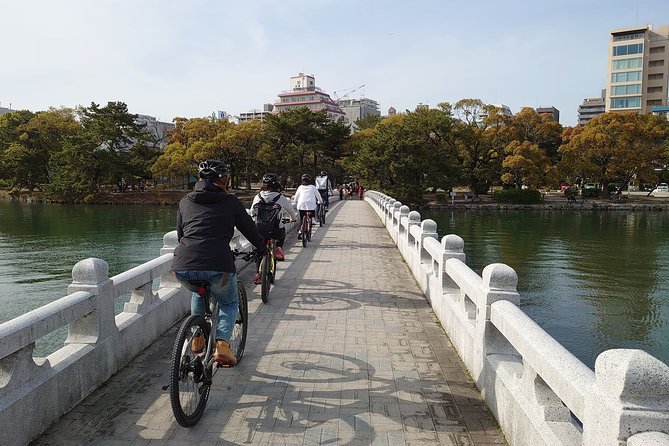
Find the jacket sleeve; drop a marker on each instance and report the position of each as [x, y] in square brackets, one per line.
[247, 227]
[180, 229]
[288, 207]
[256, 200]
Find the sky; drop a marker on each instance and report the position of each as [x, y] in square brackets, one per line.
[189, 58]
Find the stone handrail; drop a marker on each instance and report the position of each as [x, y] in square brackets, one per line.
[539, 392]
[35, 392]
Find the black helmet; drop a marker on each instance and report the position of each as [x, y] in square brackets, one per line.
[212, 170]
[306, 178]
[324, 173]
[272, 181]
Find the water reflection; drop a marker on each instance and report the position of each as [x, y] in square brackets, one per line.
[593, 280]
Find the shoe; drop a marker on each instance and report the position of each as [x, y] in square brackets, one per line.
[299, 235]
[257, 279]
[197, 343]
[278, 253]
[224, 355]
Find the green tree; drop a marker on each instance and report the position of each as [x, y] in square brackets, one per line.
[525, 164]
[616, 147]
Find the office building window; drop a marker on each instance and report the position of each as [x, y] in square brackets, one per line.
[654, 90]
[656, 63]
[657, 49]
[626, 102]
[625, 89]
[625, 64]
[627, 76]
[628, 37]
[655, 76]
[623, 50]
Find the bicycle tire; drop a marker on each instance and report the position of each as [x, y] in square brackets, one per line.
[240, 329]
[310, 225]
[321, 215]
[190, 382]
[304, 231]
[265, 281]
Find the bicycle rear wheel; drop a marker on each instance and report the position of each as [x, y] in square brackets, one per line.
[309, 225]
[321, 215]
[265, 282]
[304, 231]
[238, 338]
[190, 381]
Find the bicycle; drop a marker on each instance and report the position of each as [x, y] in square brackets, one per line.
[267, 271]
[305, 228]
[321, 214]
[191, 373]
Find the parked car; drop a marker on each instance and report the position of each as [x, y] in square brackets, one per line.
[662, 187]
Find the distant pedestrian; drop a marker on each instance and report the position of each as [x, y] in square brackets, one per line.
[361, 192]
[341, 193]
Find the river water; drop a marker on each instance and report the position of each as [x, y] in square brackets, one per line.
[593, 280]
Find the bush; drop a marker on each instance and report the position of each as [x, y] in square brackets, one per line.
[518, 196]
[590, 193]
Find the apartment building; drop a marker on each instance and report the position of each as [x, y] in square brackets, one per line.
[591, 108]
[304, 93]
[638, 69]
[357, 109]
[256, 114]
[554, 112]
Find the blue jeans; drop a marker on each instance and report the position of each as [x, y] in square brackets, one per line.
[326, 197]
[225, 293]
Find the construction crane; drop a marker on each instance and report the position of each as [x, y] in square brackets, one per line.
[348, 92]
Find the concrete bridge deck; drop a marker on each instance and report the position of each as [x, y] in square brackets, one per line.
[347, 351]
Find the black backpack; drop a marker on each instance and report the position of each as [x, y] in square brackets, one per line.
[267, 217]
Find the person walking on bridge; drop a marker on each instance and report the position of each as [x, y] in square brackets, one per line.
[206, 221]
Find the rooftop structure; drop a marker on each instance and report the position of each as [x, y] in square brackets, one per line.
[304, 93]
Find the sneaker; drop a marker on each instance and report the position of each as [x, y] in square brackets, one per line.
[197, 343]
[257, 279]
[224, 355]
[299, 235]
[278, 253]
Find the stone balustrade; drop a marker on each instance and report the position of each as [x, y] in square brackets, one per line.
[539, 392]
[35, 392]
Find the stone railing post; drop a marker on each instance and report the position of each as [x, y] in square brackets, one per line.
[499, 283]
[630, 396]
[170, 242]
[453, 248]
[388, 213]
[92, 275]
[395, 220]
[402, 238]
[429, 229]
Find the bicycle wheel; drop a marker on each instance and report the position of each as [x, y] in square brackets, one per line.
[321, 215]
[190, 381]
[304, 231]
[309, 224]
[238, 338]
[265, 283]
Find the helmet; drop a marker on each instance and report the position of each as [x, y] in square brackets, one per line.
[324, 173]
[272, 181]
[306, 178]
[212, 169]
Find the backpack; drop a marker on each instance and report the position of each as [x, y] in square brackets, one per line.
[267, 217]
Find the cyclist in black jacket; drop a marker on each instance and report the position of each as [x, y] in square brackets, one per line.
[206, 221]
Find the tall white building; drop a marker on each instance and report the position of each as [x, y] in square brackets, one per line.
[304, 93]
[357, 109]
[638, 69]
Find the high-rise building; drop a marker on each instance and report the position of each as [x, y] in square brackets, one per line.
[554, 112]
[638, 69]
[591, 108]
[256, 114]
[304, 93]
[357, 109]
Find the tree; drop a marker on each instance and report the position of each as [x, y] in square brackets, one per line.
[616, 147]
[524, 164]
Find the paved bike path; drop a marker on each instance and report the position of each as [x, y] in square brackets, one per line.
[346, 352]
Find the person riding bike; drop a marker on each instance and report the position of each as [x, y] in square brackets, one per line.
[306, 199]
[269, 197]
[206, 221]
[324, 186]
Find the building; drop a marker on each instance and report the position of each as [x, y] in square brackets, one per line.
[4, 110]
[554, 112]
[304, 93]
[159, 130]
[638, 69]
[357, 109]
[504, 109]
[256, 114]
[661, 111]
[591, 108]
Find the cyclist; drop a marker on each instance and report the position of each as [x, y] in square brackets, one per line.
[306, 199]
[324, 186]
[206, 220]
[270, 196]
